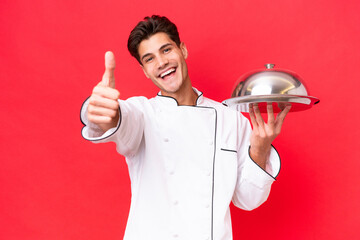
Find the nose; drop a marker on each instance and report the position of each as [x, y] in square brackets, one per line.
[162, 62]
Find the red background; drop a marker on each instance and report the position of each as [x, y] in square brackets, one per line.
[56, 185]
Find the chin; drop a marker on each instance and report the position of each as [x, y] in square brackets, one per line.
[169, 91]
[173, 88]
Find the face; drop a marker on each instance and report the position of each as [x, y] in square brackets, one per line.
[164, 63]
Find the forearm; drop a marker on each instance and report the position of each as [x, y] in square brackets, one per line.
[254, 183]
[260, 155]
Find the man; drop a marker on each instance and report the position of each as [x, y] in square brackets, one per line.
[188, 156]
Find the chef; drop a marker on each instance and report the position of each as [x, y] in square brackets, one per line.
[188, 156]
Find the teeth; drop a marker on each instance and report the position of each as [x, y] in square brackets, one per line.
[167, 72]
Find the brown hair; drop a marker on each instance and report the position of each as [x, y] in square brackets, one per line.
[148, 27]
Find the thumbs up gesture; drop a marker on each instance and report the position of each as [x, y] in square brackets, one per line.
[108, 79]
[103, 108]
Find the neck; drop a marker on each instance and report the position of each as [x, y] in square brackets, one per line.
[186, 96]
[188, 99]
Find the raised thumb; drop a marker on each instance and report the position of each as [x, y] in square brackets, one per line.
[108, 79]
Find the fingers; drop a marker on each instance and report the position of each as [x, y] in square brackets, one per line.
[259, 118]
[103, 111]
[99, 101]
[255, 114]
[264, 133]
[256, 119]
[108, 79]
[101, 114]
[106, 92]
[270, 113]
[281, 116]
[252, 116]
[273, 122]
[280, 119]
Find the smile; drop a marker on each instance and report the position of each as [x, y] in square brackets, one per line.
[168, 72]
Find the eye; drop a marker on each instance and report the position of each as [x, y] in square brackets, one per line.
[148, 59]
[166, 50]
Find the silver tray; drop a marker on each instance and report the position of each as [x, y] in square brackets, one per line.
[298, 102]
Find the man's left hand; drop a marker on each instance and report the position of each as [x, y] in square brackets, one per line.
[263, 133]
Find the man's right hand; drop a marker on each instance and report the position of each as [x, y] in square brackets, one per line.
[103, 109]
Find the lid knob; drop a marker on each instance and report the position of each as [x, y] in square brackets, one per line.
[269, 65]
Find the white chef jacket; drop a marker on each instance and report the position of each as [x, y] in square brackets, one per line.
[186, 164]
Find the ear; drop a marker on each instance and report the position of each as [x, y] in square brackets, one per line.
[142, 67]
[184, 50]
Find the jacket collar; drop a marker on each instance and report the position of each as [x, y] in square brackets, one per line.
[172, 101]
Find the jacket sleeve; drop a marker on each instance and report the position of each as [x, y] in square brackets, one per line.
[127, 134]
[253, 183]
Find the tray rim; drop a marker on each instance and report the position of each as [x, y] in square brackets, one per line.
[269, 98]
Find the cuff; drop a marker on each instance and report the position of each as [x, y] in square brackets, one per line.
[91, 131]
[260, 176]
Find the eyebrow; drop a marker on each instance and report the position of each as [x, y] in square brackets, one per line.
[162, 47]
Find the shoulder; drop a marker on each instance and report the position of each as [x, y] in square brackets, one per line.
[217, 105]
[225, 112]
[146, 105]
[138, 102]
